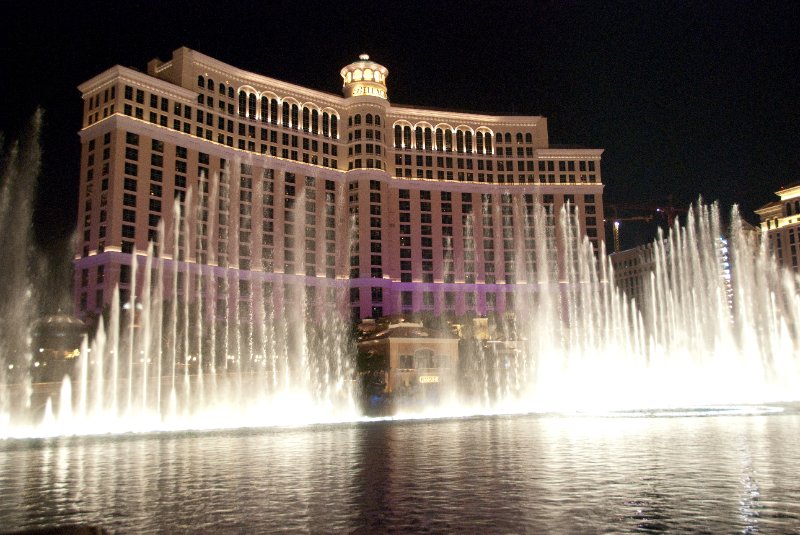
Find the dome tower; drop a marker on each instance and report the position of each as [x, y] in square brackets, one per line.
[364, 88]
[364, 78]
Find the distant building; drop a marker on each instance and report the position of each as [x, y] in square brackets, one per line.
[632, 269]
[780, 224]
[286, 189]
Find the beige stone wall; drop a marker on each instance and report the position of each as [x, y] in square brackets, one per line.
[169, 107]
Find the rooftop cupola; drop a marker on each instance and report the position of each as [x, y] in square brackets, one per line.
[364, 78]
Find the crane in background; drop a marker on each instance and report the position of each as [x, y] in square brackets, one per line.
[618, 220]
[645, 211]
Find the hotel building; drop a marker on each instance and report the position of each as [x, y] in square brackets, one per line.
[397, 208]
[780, 224]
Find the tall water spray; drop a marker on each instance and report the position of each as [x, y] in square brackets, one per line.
[191, 346]
[719, 324]
[18, 177]
[196, 344]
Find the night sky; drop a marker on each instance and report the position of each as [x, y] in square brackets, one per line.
[686, 98]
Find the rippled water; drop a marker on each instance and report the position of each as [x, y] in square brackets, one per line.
[534, 474]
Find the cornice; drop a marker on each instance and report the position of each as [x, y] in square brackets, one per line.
[251, 78]
[557, 153]
[429, 115]
[118, 72]
[789, 192]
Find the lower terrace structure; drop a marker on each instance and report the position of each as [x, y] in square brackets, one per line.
[401, 209]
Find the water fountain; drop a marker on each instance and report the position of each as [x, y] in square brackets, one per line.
[191, 346]
[719, 326]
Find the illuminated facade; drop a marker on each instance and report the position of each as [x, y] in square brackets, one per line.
[399, 208]
[416, 360]
[633, 268]
[780, 224]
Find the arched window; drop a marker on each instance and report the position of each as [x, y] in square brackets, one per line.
[251, 106]
[468, 140]
[368, 118]
[498, 138]
[285, 114]
[201, 82]
[398, 135]
[222, 89]
[325, 123]
[264, 109]
[797, 207]
[788, 208]
[242, 103]
[377, 120]
[306, 119]
[528, 138]
[479, 142]
[428, 140]
[295, 116]
[418, 136]
[439, 139]
[508, 137]
[407, 136]
[315, 121]
[448, 140]
[519, 137]
[230, 91]
[273, 111]
[488, 140]
[357, 119]
[210, 84]
[460, 141]
[334, 127]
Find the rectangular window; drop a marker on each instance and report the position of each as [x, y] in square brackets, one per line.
[131, 169]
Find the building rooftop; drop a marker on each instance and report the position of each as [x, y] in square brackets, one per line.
[408, 330]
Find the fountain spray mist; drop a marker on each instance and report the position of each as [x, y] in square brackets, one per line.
[202, 344]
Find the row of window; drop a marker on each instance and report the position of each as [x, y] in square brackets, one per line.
[249, 131]
[423, 139]
[288, 114]
[587, 169]
[448, 162]
[427, 300]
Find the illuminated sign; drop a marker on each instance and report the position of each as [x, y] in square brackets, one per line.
[428, 378]
[368, 91]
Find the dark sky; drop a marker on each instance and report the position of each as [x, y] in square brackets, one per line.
[687, 98]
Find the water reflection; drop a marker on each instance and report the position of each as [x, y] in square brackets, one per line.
[533, 473]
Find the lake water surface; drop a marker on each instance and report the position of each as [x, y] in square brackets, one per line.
[503, 474]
